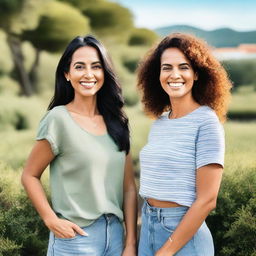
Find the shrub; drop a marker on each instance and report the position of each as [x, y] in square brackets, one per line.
[241, 72]
[131, 64]
[233, 223]
[8, 248]
[22, 232]
[142, 36]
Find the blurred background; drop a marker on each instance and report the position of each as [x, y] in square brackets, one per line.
[33, 34]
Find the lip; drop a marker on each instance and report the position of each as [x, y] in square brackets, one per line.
[87, 84]
[175, 84]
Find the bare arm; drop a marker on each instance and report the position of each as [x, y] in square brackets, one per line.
[130, 209]
[207, 183]
[39, 158]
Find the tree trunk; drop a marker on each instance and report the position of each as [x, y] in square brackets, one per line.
[33, 73]
[18, 60]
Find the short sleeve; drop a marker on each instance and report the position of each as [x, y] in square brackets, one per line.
[48, 130]
[210, 146]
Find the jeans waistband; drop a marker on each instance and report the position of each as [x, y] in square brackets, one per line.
[164, 212]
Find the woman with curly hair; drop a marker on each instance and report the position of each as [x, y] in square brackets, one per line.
[187, 90]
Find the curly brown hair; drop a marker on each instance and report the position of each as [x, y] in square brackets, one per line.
[212, 87]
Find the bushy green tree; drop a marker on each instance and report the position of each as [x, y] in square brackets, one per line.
[110, 20]
[142, 36]
[15, 16]
[58, 24]
[82, 4]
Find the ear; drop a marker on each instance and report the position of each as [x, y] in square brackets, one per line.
[66, 76]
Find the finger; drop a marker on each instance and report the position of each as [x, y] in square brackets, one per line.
[79, 230]
[65, 232]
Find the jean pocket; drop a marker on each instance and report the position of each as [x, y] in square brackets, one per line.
[67, 239]
[169, 223]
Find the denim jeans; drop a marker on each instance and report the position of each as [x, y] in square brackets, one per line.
[159, 223]
[105, 239]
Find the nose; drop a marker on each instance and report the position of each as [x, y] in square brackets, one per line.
[88, 74]
[175, 74]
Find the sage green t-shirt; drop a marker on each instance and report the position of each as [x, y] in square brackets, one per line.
[86, 175]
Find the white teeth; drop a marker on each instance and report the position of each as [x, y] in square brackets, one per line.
[175, 84]
[87, 83]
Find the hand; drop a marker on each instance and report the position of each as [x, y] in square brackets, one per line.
[129, 250]
[64, 228]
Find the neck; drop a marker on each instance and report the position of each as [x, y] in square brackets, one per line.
[182, 107]
[84, 105]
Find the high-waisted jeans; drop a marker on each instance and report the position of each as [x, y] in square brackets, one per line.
[105, 239]
[159, 223]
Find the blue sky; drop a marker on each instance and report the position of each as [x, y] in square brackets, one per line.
[208, 14]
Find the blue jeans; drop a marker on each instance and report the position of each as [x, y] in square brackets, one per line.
[105, 239]
[159, 223]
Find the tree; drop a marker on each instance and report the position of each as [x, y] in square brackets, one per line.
[142, 36]
[15, 16]
[82, 4]
[58, 24]
[110, 20]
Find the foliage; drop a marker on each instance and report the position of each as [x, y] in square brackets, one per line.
[110, 20]
[59, 23]
[5, 60]
[9, 8]
[241, 72]
[81, 4]
[8, 247]
[142, 36]
[16, 143]
[233, 222]
[17, 15]
[243, 105]
[22, 231]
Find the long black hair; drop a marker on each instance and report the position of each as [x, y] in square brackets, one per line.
[109, 98]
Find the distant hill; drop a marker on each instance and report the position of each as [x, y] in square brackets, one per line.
[223, 37]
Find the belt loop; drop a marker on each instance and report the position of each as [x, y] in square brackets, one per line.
[159, 214]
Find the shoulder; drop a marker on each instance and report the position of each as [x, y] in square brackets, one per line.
[56, 117]
[209, 123]
[161, 119]
[207, 115]
[55, 114]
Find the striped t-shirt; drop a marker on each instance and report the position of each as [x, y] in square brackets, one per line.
[176, 148]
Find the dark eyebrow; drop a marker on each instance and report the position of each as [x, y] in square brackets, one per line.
[181, 64]
[168, 65]
[184, 64]
[82, 63]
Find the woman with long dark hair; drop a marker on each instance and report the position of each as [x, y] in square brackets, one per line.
[84, 137]
[187, 90]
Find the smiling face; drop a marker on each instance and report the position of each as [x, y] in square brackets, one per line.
[85, 73]
[176, 75]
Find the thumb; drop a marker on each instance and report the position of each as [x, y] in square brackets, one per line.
[79, 230]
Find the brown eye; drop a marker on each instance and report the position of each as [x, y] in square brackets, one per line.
[166, 68]
[79, 67]
[97, 67]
